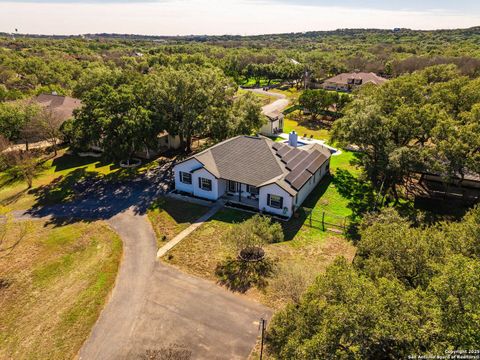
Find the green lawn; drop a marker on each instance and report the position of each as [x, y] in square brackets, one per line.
[54, 180]
[169, 217]
[14, 195]
[53, 284]
[305, 128]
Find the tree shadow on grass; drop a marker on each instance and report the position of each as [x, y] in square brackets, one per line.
[239, 276]
[84, 195]
[69, 161]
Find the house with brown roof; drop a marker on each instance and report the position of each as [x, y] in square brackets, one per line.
[350, 81]
[61, 106]
[255, 172]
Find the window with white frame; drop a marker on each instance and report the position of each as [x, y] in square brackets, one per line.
[185, 177]
[275, 201]
[205, 184]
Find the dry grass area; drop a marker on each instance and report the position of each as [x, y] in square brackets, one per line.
[170, 216]
[199, 253]
[54, 282]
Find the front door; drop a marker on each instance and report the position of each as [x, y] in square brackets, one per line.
[232, 186]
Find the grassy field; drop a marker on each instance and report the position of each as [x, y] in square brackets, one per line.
[54, 282]
[307, 128]
[169, 217]
[14, 195]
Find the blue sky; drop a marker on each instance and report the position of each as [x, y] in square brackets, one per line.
[184, 17]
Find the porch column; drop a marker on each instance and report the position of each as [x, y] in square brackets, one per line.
[239, 192]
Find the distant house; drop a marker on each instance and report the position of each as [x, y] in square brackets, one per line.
[61, 106]
[350, 81]
[255, 172]
[274, 124]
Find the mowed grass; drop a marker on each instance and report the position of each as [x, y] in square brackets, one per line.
[170, 216]
[53, 284]
[307, 128]
[16, 196]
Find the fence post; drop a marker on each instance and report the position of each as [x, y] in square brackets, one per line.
[323, 220]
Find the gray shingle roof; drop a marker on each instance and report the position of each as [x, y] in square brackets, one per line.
[259, 161]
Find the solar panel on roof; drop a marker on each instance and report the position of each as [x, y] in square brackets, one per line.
[304, 163]
[290, 155]
[292, 175]
[317, 163]
[285, 149]
[277, 146]
[295, 161]
[301, 180]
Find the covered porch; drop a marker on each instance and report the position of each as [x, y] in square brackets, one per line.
[239, 193]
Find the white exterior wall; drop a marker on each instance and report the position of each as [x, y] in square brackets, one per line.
[274, 189]
[266, 129]
[186, 166]
[210, 195]
[310, 185]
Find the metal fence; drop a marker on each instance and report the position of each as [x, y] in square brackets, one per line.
[324, 220]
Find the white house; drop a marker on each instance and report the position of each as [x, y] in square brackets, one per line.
[255, 172]
[274, 124]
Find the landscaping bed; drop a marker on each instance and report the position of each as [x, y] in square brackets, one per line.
[54, 282]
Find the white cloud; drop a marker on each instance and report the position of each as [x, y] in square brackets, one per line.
[182, 17]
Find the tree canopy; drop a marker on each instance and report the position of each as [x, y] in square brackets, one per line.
[423, 122]
[409, 291]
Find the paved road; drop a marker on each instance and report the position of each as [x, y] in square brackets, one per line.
[153, 306]
[278, 105]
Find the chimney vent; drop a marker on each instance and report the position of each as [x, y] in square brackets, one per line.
[293, 139]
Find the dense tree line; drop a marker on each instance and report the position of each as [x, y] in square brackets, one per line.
[34, 65]
[124, 118]
[410, 291]
[428, 121]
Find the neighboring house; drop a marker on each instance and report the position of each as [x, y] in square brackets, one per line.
[350, 81]
[470, 180]
[62, 106]
[274, 124]
[167, 141]
[255, 172]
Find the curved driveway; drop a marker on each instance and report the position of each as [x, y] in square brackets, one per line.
[278, 105]
[154, 306]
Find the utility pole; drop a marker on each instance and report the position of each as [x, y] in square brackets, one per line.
[262, 332]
